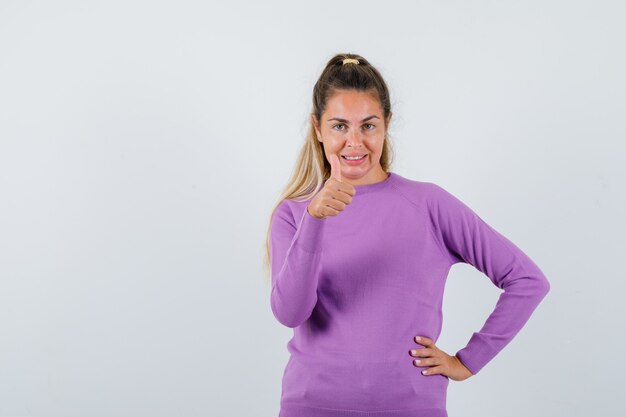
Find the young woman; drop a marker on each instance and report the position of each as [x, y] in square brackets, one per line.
[359, 257]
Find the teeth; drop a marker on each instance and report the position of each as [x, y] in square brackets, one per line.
[354, 158]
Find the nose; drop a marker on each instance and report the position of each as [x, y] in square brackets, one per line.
[355, 139]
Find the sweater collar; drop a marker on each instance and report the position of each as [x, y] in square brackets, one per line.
[368, 188]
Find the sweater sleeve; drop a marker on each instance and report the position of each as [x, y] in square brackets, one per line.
[295, 255]
[465, 237]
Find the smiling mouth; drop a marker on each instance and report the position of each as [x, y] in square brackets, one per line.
[353, 159]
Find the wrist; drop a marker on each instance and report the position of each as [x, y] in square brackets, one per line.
[313, 215]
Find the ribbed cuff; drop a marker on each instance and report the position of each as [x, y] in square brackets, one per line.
[476, 354]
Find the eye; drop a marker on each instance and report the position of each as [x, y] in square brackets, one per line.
[338, 124]
[370, 124]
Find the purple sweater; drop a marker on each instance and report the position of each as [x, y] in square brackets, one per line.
[357, 287]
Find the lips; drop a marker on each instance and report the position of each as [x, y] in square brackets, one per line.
[354, 162]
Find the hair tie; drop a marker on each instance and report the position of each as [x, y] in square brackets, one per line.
[350, 61]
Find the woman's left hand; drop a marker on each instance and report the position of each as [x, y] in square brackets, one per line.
[438, 361]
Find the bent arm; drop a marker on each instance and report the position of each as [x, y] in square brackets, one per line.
[295, 254]
[469, 239]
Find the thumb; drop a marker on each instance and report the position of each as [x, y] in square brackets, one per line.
[335, 167]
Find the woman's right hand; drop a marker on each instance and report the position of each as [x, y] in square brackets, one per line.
[334, 196]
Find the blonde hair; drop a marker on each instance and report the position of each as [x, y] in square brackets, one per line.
[312, 169]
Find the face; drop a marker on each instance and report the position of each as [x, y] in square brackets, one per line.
[352, 124]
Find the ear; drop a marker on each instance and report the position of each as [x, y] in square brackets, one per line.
[316, 126]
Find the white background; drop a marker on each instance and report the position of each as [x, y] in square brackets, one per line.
[144, 143]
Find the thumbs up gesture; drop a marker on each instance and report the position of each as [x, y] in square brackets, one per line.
[333, 198]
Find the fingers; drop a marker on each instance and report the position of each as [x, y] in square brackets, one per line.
[429, 350]
[345, 190]
[422, 353]
[337, 194]
[433, 362]
[335, 167]
[433, 370]
[427, 356]
[424, 341]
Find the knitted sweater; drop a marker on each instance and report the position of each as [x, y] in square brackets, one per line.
[357, 287]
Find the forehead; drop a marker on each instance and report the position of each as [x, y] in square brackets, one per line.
[350, 104]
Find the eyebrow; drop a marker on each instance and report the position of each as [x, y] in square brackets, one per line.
[346, 121]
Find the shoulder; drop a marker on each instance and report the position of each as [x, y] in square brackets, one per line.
[420, 191]
[431, 197]
[288, 210]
